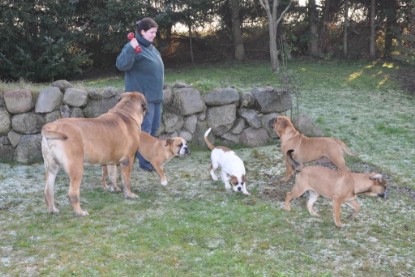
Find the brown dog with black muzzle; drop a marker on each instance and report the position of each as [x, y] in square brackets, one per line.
[156, 151]
[340, 186]
[111, 138]
[308, 149]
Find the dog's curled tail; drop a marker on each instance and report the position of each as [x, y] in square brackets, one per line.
[293, 163]
[345, 148]
[208, 143]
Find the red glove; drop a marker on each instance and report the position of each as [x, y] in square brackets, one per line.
[134, 43]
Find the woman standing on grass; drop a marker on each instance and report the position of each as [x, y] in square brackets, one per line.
[144, 72]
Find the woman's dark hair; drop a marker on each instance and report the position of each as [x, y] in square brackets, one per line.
[146, 24]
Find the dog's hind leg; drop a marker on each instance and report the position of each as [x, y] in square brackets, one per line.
[104, 174]
[313, 196]
[212, 168]
[52, 169]
[112, 173]
[75, 172]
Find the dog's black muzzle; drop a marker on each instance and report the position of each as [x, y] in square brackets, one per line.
[384, 195]
[186, 150]
[271, 123]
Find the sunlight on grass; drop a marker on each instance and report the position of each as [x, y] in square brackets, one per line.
[388, 65]
[354, 76]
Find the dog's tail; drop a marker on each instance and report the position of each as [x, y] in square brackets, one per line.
[345, 148]
[293, 163]
[48, 133]
[208, 143]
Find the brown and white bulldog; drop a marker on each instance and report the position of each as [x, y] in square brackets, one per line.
[111, 138]
[308, 149]
[232, 168]
[156, 151]
[340, 186]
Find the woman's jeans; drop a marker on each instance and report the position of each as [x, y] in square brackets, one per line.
[151, 124]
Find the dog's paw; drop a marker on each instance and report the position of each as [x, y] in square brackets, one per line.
[164, 183]
[53, 210]
[131, 195]
[81, 213]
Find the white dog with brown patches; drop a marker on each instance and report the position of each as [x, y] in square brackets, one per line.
[232, 167]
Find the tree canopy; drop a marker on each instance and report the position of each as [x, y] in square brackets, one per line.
[50, 39]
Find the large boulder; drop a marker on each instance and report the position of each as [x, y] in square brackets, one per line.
[185, 101]
[5, 122]
[271, 100]
[254, 137]
[28, 123]
[221, 118]
[62, 84]
[29, 149]
[221, 96]
[75, 97]
[172, 122]
[251, 117]
[18, 101]
[307, 126]
[49, 99]
[97, 107]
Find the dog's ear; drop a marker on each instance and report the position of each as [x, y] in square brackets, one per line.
[234, 180]
[284, 123]
[169, 141]
[244, 178]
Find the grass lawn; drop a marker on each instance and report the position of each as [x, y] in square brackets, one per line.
[193, 227]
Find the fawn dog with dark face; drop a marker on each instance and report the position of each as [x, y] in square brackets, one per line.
[340, 186]
[111, 138]
[307, 149]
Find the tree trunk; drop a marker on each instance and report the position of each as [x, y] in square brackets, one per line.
[275, 63]
[391, 22]
[237, 31]
[273, 21]
[345, 27]
[372, 50]
[192, 58]
[313, 17]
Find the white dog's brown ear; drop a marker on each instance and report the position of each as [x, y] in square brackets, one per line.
[234, 180]
[244, 178]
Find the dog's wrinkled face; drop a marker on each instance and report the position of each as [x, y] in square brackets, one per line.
[178, 145]
[238, 183]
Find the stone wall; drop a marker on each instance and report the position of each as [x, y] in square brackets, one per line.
[235, 118]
